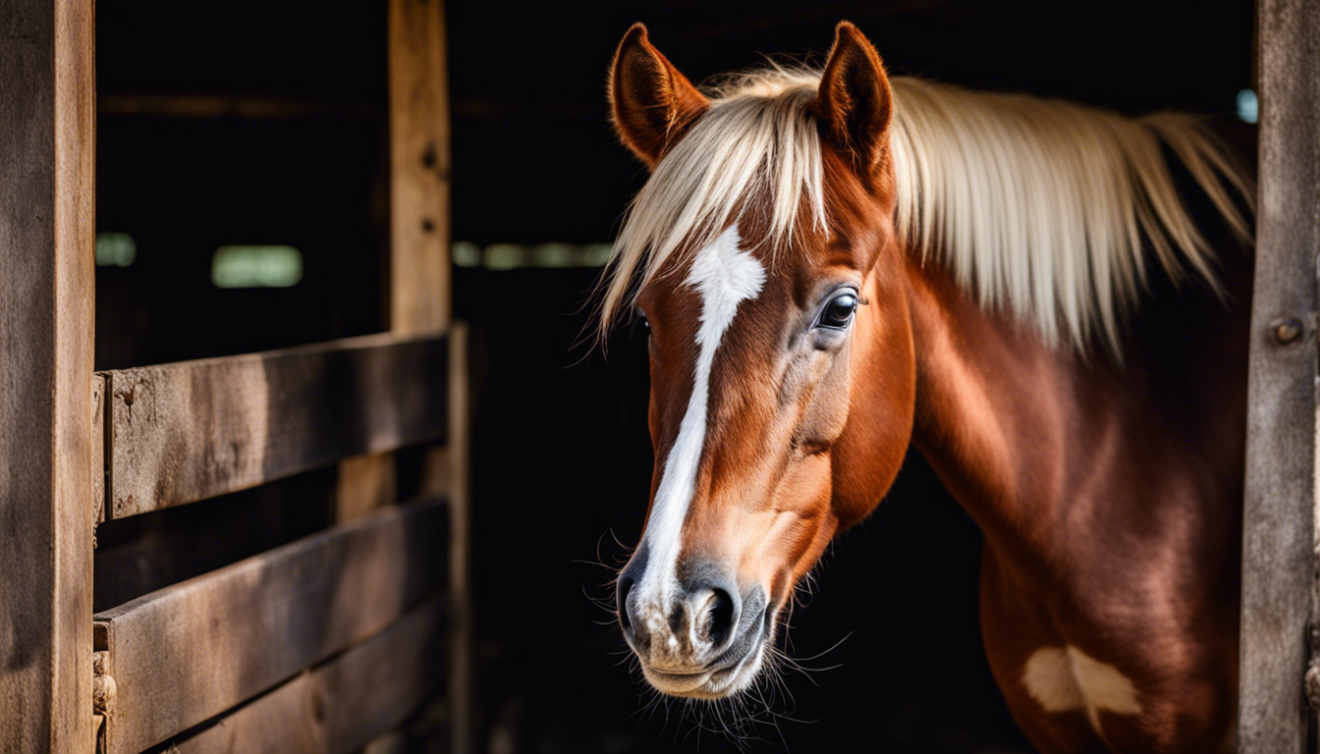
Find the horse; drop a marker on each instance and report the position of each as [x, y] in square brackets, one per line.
[835, 265]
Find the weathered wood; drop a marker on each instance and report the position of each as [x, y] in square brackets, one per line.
[189, 652]
[192, 430]
[419, 168]
[366, 483]
[342, 704]
[426, 731]
[1279, 538]
[419, 213]
[47, 230]
[139, 555]
[419, 252]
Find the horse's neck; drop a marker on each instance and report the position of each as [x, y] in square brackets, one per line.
[1038, 444]
[993, 406]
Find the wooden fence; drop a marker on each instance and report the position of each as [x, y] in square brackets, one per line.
[325, 644]
[329, 642]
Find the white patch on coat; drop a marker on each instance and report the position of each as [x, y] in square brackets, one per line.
[724, 276]
[1062, 679]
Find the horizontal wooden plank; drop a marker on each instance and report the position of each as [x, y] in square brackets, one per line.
[196, 429]
[186, 653]
[341, 705]
[427, 731]
[139, 555]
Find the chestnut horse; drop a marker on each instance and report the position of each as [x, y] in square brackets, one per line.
[835, 265]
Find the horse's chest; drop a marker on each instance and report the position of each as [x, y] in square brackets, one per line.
[1079, 678]
[1066, 698]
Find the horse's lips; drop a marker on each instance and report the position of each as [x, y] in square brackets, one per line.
[708, 684]
[676, 683]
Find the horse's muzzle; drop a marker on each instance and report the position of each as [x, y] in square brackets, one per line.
[696, 636]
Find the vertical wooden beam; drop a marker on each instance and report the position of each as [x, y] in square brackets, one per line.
[420, 282]
[47, 138]
[419, 168]
[419, 214]
[366, 483]
[1279, 537]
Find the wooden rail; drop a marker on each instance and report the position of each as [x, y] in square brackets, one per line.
[189, 652]
[184, 432]
[339, 706]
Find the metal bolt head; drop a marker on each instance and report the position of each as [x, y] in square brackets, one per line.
[1286, 329]
[1312, 681]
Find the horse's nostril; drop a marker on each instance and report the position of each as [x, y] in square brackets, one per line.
[622, 589]
[720, 617]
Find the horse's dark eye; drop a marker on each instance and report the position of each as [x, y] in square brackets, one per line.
[643, 322]
[839, 311]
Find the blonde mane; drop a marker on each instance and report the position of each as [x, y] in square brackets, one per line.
[1039, 207]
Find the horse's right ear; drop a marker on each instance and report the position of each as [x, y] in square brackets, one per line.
[854, 99]
[652, 102]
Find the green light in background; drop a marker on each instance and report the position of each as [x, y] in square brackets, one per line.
[115, 250]
[467, 254]
[256, 267]
[505, 256]
[596, 254]
[509, 256]
[552, 255]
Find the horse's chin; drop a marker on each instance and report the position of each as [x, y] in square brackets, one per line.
[710, 685]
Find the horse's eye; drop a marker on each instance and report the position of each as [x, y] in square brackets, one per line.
[839, 311]
[643, 322]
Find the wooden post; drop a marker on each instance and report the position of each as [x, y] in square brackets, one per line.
[419, 168]
[419, 215]
[420, 284]
[1279, 515]
[47, 240]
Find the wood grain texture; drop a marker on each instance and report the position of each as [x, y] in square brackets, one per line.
[425, 732]
[420, 297]
[419, 215]
[187, 653]
[192, 430]
[47, 172]
[366, 483]
[419, 168]
[181, 543]
[341, 705]
[1278, 571]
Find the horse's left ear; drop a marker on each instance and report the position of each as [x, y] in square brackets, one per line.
[854, 100]
[651, 100]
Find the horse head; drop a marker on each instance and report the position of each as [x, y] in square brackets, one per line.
[763, 256]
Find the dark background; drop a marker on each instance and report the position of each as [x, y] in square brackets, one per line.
[562, 458]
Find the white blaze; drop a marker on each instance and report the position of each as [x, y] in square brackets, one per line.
[724, 276]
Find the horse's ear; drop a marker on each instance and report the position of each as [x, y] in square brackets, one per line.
[854, 100]
[652, 102]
